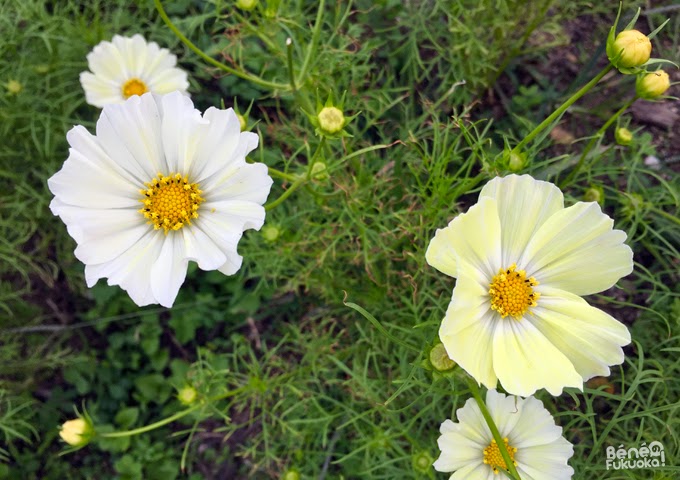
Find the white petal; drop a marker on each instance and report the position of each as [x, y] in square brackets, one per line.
[130, 134]
[132, 269]
[170, 270]
[478, 471]
[100, 91]
[577, 250]
[467, 330]
[525, 361]
[534, 425]
[590, 338]
[249, 183]
[524, 204]
[457, 451]
[505, 411]
[106, 61]
[217, 150]
[547, 461]
[474, 236]
[472, 424]
[182, 132]
[169, 81]
[234, 215]
[202, 249]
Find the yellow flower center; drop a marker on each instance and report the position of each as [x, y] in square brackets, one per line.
[493, 457]
[511, 292]
[170, 202]
[134, 86]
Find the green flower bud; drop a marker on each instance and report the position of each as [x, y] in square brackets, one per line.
[291, 474]
[422, 462]
[331, 120]
[77, 432]
[14, 87]
[440, 359]
[594, 194]
[270, 233]
[187, 395]
[623, 136]
[320, 172]
[652, 85]
[247, 5]
[631, 48]
[516, 161]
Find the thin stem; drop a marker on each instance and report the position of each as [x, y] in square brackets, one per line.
[289, 54]
[474, 389]
[244, 75]
[313, 44]
[665, 214]
[279, 174]
[594, 140]
[561, 109]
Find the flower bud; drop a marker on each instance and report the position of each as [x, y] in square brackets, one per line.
[246, 5]
[242, 122]
[320, 172]
[631, 48]
[623, 136]
[270, 233]
[422, 462]
[652, 85]
[14, 87]
[76, 432]
[187, 395]
[516, 161]
[291, 474]
[440, 359]
[594, 194]
[331, 120]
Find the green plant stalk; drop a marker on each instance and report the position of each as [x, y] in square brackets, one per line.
[474, 389]
[282, 175]
[594, 140]
[313, 44]
[244, 75]
[665, 214]
[561, 109]
[170, 419]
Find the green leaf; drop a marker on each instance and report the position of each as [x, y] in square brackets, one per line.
[127, 417]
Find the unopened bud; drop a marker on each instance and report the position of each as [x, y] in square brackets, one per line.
[440, 359]
[422, 462]
[76, 432]
[291, 474]
[331, 120]
[187, 395]
[652, 85]
[270, 233]
[623, 136]
[246, 4]
[320, 172]
[14, 87]
[516, 161]
[631, 48]
[594, 194]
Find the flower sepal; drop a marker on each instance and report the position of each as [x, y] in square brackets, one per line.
[329, 120]
[77, 432]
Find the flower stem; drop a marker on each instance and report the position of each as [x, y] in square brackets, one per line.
[314, 43]
[474, 389]
[561, 109]
[594, 140]
[244, 75]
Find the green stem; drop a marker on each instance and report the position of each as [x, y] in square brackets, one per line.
[594, 140]
[289, 55]
[474, 389]
[282, 175]
[244, 75]
[561, 109]
[314, 43]
[171, 418]
[665, 214]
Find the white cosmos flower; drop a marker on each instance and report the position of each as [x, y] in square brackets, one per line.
[157, 186]
[529, 432]
[522, 261]
[130, 66]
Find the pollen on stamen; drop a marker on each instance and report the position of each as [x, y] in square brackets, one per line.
[170, 202]
[512, 293]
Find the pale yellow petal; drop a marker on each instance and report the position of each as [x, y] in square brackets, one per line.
[525, 360]
[473, 236]
[524, 204]
[577, 250]
[590, 338]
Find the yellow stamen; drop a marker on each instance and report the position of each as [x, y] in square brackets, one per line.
[493, 457]
[134, 86]
[170, 202]
[512, 293]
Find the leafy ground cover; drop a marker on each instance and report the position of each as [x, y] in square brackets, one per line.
[324, 391]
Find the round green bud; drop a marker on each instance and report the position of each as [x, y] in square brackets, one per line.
[623, 136]
[516, 161]
[187, 395]
[331, 120]
[594, 194]
[631, 48]
[291, 474]
[247, 5]
[652, 85]
[76, 432]
[14, 87]
[440, 359]
[320, 172]
[422, 462]
[270, 233]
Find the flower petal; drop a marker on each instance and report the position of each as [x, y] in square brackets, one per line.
[474, 236]
[577, 250]
[100, 91]
[550, 458]
[202, 249]
[505, 411]
[248, 183]
[524, 204]
[534, 425]
[170, 270]
[526, 361]
[590, 338]
[182, 131]
[467, 330]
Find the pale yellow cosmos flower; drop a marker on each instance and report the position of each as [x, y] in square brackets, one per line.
[522, 262]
